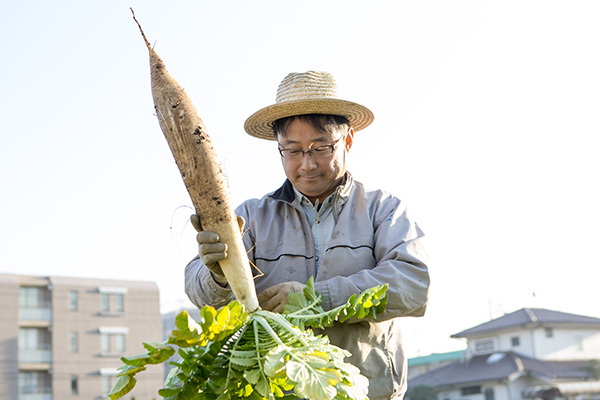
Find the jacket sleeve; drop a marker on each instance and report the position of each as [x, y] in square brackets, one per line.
[400, 262]
[202, 289]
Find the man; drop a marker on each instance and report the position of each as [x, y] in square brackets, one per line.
[323, 223]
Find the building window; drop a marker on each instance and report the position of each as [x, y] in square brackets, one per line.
[74, 385]
[489, 393]
[119, 343]
[470, 390]
[112, 340]
[105, 340]
[73, 300]
[105, 302]
[515, 341]
[120, 302]
[484, 345]
[74, 342]
[549, 332]
[34, 297]
[112, 299]
[34, 339]
[34, 382]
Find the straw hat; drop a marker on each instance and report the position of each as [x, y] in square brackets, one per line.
[306, 93]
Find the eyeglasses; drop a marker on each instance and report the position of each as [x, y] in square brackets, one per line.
[317, 152]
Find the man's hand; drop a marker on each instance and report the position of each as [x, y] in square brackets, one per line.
[275, 297]
[210, 249]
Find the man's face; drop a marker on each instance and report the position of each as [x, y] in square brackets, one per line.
[315, 175]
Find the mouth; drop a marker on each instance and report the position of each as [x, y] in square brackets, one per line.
[310, 177]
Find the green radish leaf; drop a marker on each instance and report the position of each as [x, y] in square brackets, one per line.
[231, 355]
[214, 325]
[297, 371]
[157, 353]
[320, 385]
[123, 386]
[304, 310]
[253, 375]
[263, 388]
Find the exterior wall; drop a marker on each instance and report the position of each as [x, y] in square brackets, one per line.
[139, 321]
[36, 341]
[9, 333]
[449, 395]
[472, 345]
[35, 355]
[504, 342]
[500, 392]
[518, 385]
[524, 339]
[565, 343]
[569, 344]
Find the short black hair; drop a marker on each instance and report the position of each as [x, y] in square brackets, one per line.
[325, 123]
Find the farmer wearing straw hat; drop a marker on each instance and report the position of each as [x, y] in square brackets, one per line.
[323, 223]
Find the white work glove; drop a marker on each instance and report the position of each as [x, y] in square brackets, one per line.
[210, 249]
[275, 297]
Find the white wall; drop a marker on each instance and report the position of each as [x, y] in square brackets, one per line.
[565, 344]
[525, 339]
[571, 344]
[500, 392]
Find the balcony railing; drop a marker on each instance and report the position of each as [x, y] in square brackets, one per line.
[35, 392]
[35, 314]
[35, 356]
[35, 396]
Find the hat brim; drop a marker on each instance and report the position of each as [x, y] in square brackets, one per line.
[260, 124]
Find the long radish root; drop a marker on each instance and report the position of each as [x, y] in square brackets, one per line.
[202, 174]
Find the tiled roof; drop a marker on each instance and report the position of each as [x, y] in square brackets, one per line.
[435, 358]
[526, 316]
[499, 366]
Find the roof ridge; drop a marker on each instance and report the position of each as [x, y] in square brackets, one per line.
[518, 361]
[525, 316]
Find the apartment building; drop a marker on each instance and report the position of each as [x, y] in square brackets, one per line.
[62, 337]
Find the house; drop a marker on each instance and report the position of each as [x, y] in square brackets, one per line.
[530, 353]
[62, 337]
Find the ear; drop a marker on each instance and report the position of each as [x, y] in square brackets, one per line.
[349, 139]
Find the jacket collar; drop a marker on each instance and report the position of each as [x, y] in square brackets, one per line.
[286, 191]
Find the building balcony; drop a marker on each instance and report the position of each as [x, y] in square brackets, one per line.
[35, 356]
[35, 314]
[35, 396]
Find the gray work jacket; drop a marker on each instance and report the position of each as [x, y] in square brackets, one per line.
[374, 242]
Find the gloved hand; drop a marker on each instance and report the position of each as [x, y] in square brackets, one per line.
[210, 249]
[275, 297]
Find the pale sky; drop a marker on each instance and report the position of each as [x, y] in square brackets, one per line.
[486, 124]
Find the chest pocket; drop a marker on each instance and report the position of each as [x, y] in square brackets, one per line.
[283, 268]
[346, 260]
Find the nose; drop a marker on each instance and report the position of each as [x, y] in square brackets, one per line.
[308, 162]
